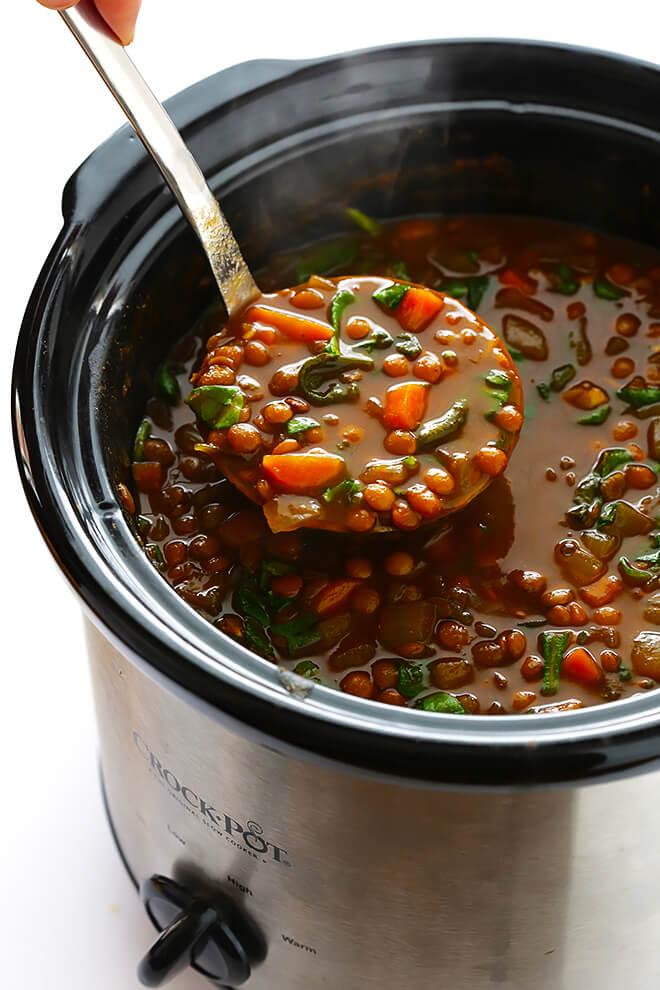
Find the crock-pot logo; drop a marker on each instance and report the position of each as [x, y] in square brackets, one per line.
[249, 837]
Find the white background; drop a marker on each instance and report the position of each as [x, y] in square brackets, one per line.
[69, 917]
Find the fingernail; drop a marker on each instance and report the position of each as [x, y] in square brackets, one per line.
[57, 4]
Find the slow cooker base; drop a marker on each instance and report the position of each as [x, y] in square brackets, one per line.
[113, 830]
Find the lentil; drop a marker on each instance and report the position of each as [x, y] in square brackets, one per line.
[391, 697]
[365, 600]
[439, 481]
[522, 699]
[359, 683]
[396, 365]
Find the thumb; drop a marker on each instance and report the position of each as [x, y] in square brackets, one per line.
[119, 15]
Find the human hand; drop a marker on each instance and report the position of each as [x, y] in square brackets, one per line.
[120, 15]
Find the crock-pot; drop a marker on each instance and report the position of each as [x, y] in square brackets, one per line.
[286, 836]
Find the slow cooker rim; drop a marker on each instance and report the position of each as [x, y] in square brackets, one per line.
[635, 716]
[192, 104]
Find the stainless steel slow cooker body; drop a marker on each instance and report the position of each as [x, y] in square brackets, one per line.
[313, 839]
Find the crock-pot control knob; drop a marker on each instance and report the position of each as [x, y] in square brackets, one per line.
[193, 932]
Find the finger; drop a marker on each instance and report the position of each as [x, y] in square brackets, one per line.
[120, 15]
[58, 4]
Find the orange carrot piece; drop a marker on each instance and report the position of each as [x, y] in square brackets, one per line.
[126, 498]
[148, 475]
[304, 471]
[579, 665]
[417, 309]
[519, 281]
[603, 591]
[334, 596]
[298, 327]
[585, 395]
[405, 406]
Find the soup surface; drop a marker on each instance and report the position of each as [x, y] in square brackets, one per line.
[540, 595]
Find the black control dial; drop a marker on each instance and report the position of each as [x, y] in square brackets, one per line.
[204, 933]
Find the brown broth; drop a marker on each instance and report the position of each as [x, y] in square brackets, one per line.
[588, 301]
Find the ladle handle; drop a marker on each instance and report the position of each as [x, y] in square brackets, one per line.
[164, 143]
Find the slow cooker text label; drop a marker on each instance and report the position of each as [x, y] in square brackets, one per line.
[249, 837]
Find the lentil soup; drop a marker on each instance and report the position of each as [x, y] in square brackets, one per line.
[418, 405]
[543, 593]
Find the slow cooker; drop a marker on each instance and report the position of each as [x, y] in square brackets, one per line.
[284, 835]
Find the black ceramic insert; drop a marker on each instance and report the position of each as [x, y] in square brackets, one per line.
[435, 127]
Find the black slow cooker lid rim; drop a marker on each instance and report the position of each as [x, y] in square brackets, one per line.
[190, 107]
[594, 729]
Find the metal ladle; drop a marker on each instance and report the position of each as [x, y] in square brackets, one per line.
[162, 140]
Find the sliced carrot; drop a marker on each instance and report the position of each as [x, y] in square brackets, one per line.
[580, 665]
[405, 406]
[127, 499]
[304, 471]
[334, 596]
[519, 281]
[298, 327]
[603, 591]
[148, 475]
[584, 395]
[417, 309]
